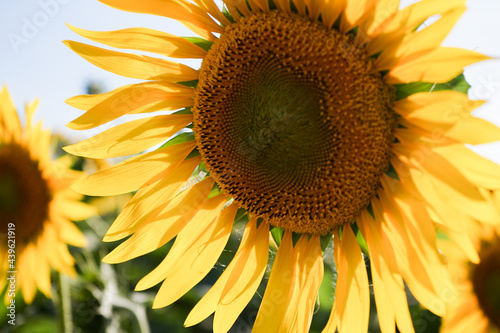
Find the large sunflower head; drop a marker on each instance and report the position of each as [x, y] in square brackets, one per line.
[36, 206]
[312, 118]
[477, 304]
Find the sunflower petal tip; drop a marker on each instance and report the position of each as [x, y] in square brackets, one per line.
[108, 259]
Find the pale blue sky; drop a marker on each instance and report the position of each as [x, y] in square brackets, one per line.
[35, 63]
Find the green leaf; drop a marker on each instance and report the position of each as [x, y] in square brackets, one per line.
[457, 84]
[201, 42]
[277, 234]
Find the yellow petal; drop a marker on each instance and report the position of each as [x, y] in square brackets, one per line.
[263, 5]
[477, 169]
[86, 102]
[457, 190]
[9, 120]
[440, 65]
[130, 138]
[413, 237]
[137, 98]
[448, 215]
[192, 16]
[310, 262]
[420, 42]
[331, 11]
[390, 296]
[465, 243]
[245, 270]
[131, 174]
[139, 207]
[474, 131]
[284, 5]
[244, 276]
[198, 234]
[42, 275]
[355, 12]
[210, 7]
[193, 255]
[56, 252]
[314, 8]
[30, 111]
[147, 40]
[134, 66]
[383, 11]
[272, 316]
[26, 272]
[352, 292]
[392, 31]
[164, 223]
[73, 210]
[68, 232]
[241, 6]
[440, 109]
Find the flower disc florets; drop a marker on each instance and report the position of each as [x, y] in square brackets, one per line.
[293, 121]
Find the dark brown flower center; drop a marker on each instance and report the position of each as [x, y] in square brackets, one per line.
[485, 278]
[24, 193]
[293, 121]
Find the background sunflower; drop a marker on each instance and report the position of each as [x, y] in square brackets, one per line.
[37, 206]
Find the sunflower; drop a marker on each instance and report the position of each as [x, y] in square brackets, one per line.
[310, 119]
[477, 304]
[36, 206]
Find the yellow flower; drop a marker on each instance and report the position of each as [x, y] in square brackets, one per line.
[36, 206]
[476, 307]
[304, 116]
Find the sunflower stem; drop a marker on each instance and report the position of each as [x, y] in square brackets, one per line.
[65, 317]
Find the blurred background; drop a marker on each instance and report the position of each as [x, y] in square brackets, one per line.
[34, 63]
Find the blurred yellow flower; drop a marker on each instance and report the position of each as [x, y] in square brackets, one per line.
[308, 116]
[36, 206]
[477, 279]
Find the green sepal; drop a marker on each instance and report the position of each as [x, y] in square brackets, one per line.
[361, 240]
[227, 15]
[277, 234]
[216, 190]
[201, 42]
[457, 84]
[440, 234]
[180, 138]
[295, 237]
[325, 241]
[391, 172]
[184, 111]
[369, 208]
[191, 84]
[194, 153]
[241, 216]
